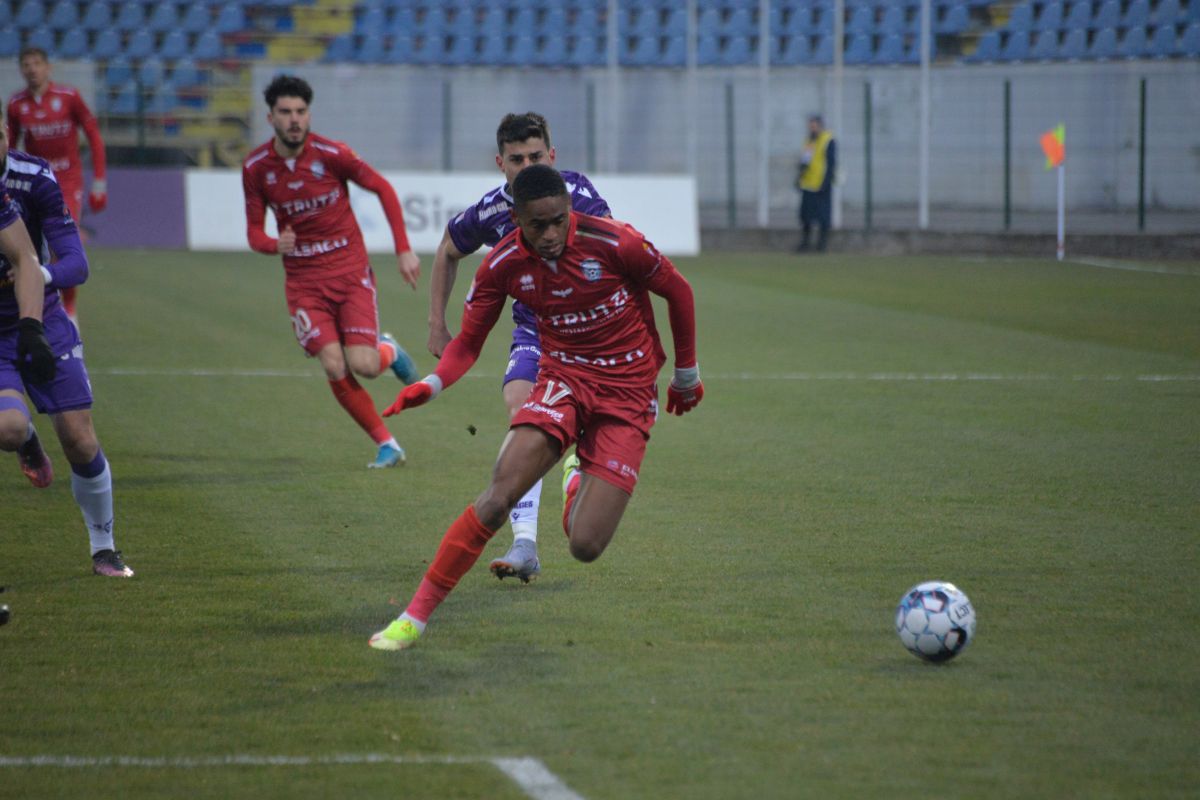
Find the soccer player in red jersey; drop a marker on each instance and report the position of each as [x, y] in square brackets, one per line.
[49, 116]
[329, 284]
[588, 281]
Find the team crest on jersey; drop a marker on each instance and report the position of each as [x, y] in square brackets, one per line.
[271, 178]
[526, 283]
[24, 108]
[56, 104]
[318, 169]
[591, 269]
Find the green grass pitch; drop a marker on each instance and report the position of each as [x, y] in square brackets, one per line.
[1027, 429]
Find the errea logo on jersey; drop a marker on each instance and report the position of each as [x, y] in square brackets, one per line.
[526, 283]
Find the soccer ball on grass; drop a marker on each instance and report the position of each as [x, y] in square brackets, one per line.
[935, 621]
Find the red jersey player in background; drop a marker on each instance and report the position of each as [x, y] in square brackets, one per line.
[587, 279]
[50, 116]
[329, 284]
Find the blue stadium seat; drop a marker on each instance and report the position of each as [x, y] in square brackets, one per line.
[164, 17]
[404, 22]
[862, 20]
[1189, 43]
[638, 22]
[399, 50]
[119, 70]
[1167, 12]
[10, 41]
[185, 73]
[230, 19]
[708, 22]
[554, 23]
[1045, 46]
[1021, 18]
[1193, 13]
[792, 50]
[551, 51]
[107, 44]
[125, 100]
[859, 51]
[130, 16]
[196, 19]
[31, 14]
[97, 17]
[739, 23]
[674, 54]
[340, 49]
[891, 50]
[1164, 43]
[1074, 45]
[140, 44]
[914, 50]
[893, 21]
[492, 48]
[162, 100]
[151, 71]
[42, 37]
[1104, 45]
[73, 44]
[372, 20]
[1017, 47]
[207, 46]
[520, 51]
[823, 52]
[988, 48]
[1108, 15]
[371, 49]
[583, 21]
[1137, 15]
[173, 45]
[799, 21]
[1080, 15]
[957, 20]
[640, 51]
[737, 51]
[708, 50]
[523, 21]
[426, 50]
[1051, 18]
[1133, 43]
[64, 16]
[462, 49]
[676, 22]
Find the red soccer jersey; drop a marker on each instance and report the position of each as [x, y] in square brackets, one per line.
[309, 194]
[594, 314]
[50, 125]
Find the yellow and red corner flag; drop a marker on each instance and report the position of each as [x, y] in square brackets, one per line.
[1054, 145]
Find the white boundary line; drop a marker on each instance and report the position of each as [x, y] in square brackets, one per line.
[885, 377]
[530, 774]
[1106, 263]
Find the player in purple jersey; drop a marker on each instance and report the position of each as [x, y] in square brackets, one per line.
[40, 351]
[521, 140]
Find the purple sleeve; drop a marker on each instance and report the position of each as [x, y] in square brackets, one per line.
[67, 263]
[8, 210]
[584, 197]
[466, 231]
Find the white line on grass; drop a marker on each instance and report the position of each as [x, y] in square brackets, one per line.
[1105, 263]
[885, 377]
[529, 774]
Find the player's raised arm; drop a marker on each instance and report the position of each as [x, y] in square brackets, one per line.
[365, 176]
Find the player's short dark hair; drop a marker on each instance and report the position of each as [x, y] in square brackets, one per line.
[32, 50]
[516, 128]
[537, 181]
[288, 86]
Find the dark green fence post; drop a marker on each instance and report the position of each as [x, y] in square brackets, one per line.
[867, 152]
[447, 136]
[730, 168]
[1007, 154]
[1142, 157]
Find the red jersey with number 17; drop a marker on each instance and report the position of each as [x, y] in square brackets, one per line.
[310, 195]
[594, 315]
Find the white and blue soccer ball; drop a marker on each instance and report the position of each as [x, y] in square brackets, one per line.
[935, 621]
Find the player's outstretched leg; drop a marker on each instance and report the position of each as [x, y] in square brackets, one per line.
[34, 461]
[570, 488]
[401, 362]
[521, 560]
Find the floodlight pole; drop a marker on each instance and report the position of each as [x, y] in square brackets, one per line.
[764, 105]
[923, 152]
[692, 133]
[614, 84]
[839, 34]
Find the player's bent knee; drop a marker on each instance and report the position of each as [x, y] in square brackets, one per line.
[585, 551]
[14, 430]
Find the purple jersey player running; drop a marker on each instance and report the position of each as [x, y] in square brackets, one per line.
[40, 350]
[521, 140]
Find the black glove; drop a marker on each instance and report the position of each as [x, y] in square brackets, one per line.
[31, 343]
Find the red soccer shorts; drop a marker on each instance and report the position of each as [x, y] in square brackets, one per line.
[609, 424]
[339, 310]
[71, 185]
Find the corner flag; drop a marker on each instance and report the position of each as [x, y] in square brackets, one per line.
[1054, 145]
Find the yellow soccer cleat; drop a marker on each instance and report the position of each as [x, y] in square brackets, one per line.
[397, 636]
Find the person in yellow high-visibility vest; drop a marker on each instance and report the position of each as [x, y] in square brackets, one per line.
[815, 181]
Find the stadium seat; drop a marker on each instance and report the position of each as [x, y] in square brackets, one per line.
[164, 18]
[823, 52]
[640, 51]
[404, 22]
[162, 100]
[151, 71]
[1104, 45]
[1045, 46]
[859, 50]
[140, 44]
[42, 37]
[1021, 18]
[799, 21]
[125, 99]
[583, 21]
[31, 14]
[372, 20]
[862, 20]
[1193, 12]
[491, 48]
[10, 41]
[1164, 43]
[674, 54]
[1080, 15]
[891, 50]
[708, 50]
[739, 23]
[792, 50]
[130, 16]
[1108, 15]
[185, 73]
[196, 19]
[230, 19]
[523, 21]
[1017, 47]
[893, 21]
[1167, 12]
[957, 20]
[173, 45]
[738, 51]
[64, 16]
[106, 45]
[708, 22]
[1189, 43]
[520, 52]
[1133, 43]
[552, 51]
[119, 70]
[1074, 45]
[988, 48]
[1137, 15]
[96, 17]
[1051, 18]
[73, 44]
[371, 49]
[914, 50]
[676, 22]
[207, 46]
[461, 49]
[340, 49]
[554, 24]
